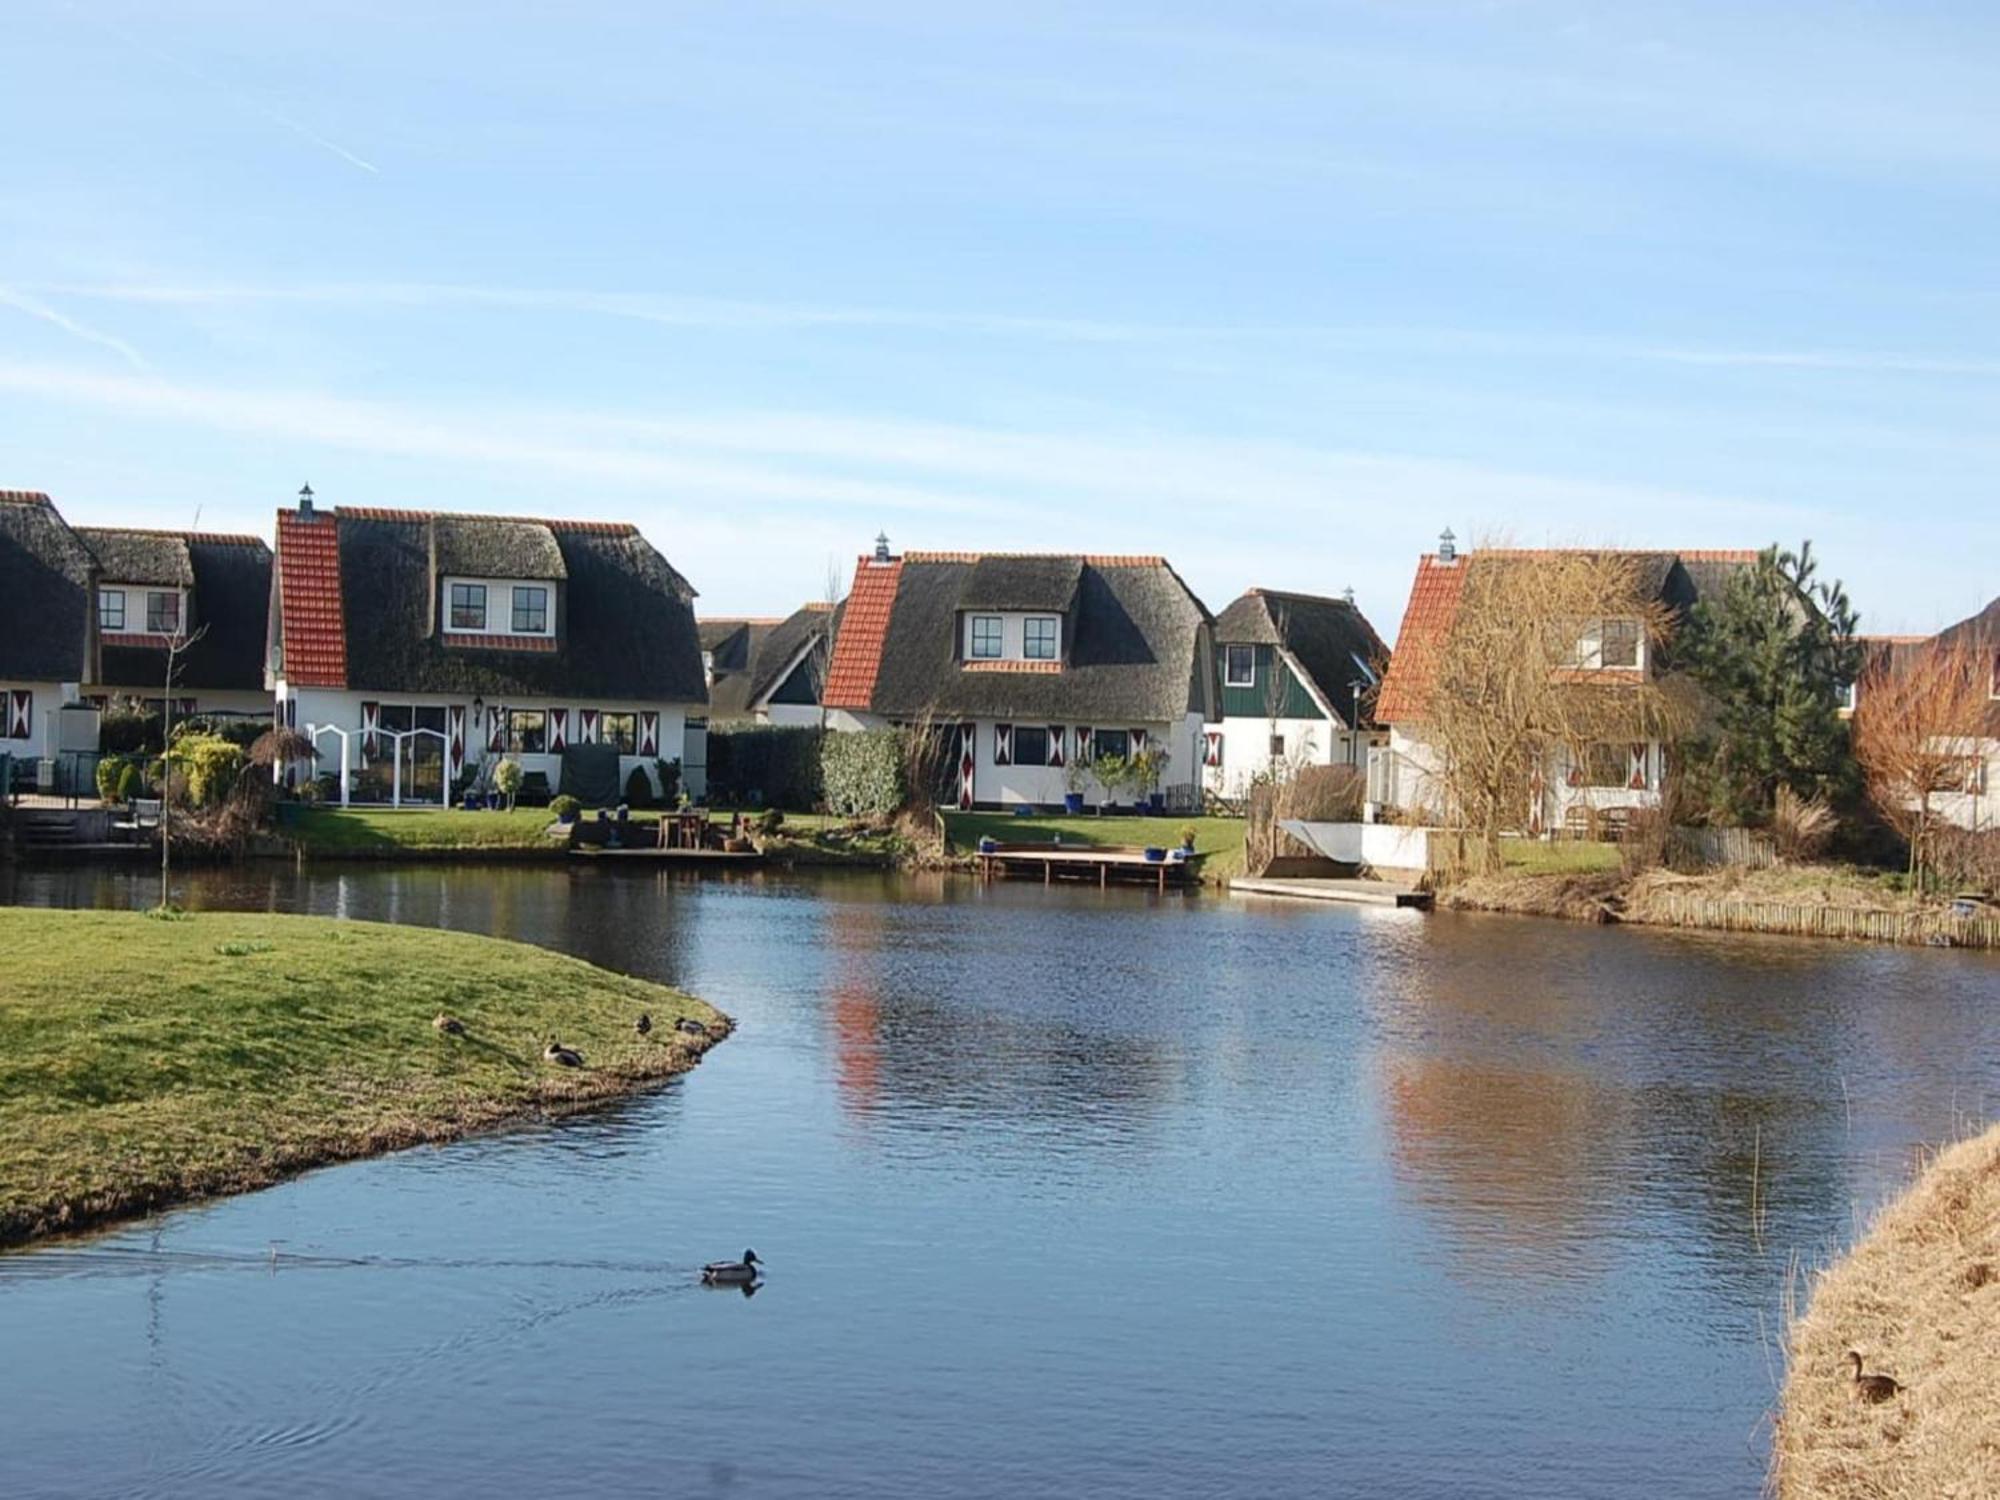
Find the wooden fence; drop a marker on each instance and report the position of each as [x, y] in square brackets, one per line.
[1930, 928]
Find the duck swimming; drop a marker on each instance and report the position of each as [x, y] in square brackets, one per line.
[1872, 1387]
[732, 1272]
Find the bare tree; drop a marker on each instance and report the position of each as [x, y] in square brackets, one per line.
[178, 640]
[1548, 654]
[1918, 721]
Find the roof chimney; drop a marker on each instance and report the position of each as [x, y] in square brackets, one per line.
[306, 501]
[881, 546]
[1347, 596]
[1447, 546]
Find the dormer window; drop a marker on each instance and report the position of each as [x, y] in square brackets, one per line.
[163, 612]
[1041, 637]
[111, 609]
[986, 637]
[531, 609]
[1609, 644]
[468, 606]
[1239, 666]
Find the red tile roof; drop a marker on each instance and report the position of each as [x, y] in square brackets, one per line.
[309, 601]
[1090, 559]
[1413, 664]
[1011, 666]
[857, 649]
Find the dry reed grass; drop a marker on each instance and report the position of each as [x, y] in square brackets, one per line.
[1919, 1296]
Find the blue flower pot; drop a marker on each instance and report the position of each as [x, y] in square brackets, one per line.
[1156, 856]
[1072, 802]
[987, 846]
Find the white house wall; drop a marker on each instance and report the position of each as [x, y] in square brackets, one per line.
[1013, 785]
[341, 708]
[1246, 750]
[44, 698]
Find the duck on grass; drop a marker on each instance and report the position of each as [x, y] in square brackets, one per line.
[144, 1063]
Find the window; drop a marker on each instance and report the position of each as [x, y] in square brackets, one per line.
[620, 732]
[985, 637]
[527, 731]
[1105, 742]
[111, 609]
[1031, 745]
[1039, 644]
[163, 613]
[1277, 747]
[1239, 666]
[531, 609]
[1847, 696]
[1620, 644]
[396, 716]
[468, 606]
[1607, 765]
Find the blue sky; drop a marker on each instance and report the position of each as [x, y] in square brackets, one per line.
[1278, 290]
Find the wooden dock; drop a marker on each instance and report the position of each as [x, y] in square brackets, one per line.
[648, 852]
[1350, 892]
[1103, 863]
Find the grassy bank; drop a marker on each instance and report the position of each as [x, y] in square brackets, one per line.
[1823, 900]
[387, 832]
[1919, 1297]
[147, 1061]
[1220, 839]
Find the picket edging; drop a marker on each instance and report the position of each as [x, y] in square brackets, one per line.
[1934, 929]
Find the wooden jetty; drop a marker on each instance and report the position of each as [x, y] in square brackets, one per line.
[1103, 863]
[648, 852]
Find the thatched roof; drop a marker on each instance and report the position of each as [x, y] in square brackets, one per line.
[751, 659]
[1000, 581]
[45, 592]
[495, 547]
[1137, 647]
[229, 601]
[125, 556]
[624, 618]
[1330, 639]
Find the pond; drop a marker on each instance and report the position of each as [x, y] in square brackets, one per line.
[1061, 1191]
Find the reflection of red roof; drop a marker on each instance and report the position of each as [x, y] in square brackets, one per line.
[1413, 664]
[314, 621]
[864, 626]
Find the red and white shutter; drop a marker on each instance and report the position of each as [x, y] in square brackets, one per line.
[1537, 794]
[1003, 744]
[968, 736]
[1056, 745]
[558, 730]
[1637, 781]
[649, 732]
[1138, 740]
[496, 730]
[371, 722]
[20, 714]
[1086, 752]
[454, 730]
[1575, 777]
[1211, 754]
[586, 726]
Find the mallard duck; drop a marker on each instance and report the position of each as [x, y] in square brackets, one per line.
[644, 1025]
[691, 1026]
[731, 1272]
[567, 1057]
[1872, 1387]
[449, 1025]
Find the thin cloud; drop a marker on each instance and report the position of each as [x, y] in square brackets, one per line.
[35, 308]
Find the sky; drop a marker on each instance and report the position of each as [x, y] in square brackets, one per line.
[1277, 290]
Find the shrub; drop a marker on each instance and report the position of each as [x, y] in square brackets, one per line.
[778, 766]
[862, 773]
[210, 763]
[128, 731]
[110, 774]
[670, 781]
[507, 779]
[769, 821]
[130, 783]
[563, 805]
[1801, 827]
[638, 788]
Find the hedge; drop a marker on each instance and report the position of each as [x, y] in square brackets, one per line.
[863, 773]
[764, 765]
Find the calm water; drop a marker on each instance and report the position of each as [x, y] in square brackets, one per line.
[1063, 1193]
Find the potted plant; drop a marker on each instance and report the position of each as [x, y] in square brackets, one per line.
[566, 808]
[1188, 833]
[1076, 776]
[988, 844]
[1155, 855]
[1114, 774]
[1149, 766]
[507, 779]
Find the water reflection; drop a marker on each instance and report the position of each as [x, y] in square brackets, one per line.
[1445, 1196]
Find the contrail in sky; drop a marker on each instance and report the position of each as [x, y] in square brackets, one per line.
[22, 302]
[235, 96]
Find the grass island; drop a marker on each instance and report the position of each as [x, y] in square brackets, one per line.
[149, 1060]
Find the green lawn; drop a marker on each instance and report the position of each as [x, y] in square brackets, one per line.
[1557, 857]
[143, 1061]
[334, 830]
[1221, 839]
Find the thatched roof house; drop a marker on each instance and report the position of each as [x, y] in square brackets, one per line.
[223, 585]
[46, 573]
[768, 670]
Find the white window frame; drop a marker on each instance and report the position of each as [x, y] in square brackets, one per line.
[604, 718]
[451, 607]
[180, 612]
[515, 607]
[497, 621]
[1229, 677]
[1028, 628]
[972, 648]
